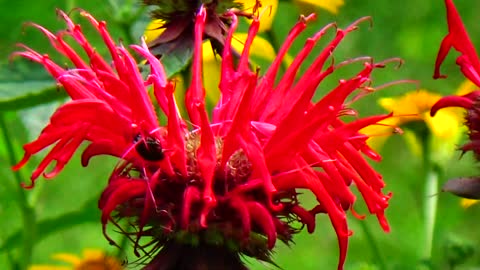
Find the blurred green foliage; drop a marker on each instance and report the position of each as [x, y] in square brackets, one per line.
[68, 220]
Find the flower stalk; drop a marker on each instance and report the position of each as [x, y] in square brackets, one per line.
[27, 211]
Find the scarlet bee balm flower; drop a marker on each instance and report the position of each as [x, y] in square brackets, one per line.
[469, 63]
[211, 189]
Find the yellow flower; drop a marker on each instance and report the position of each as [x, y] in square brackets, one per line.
[329, 5]
[415, 107]
[153, 30]
[269, 8]
[91, 260]
[261, 49]
[465, 203]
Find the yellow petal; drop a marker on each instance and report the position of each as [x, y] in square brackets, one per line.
[260, 48]
[329, 5]
[465, 203]
[415, 106]
[413, 143]
[68, 258]
[153, 30]
[378, 134]
[267, 11]
[211, 77]
[465, 88]
[93, 254]
[418, 101]
[445, 125]
[48, 267]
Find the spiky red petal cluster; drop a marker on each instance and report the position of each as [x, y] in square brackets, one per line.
[241, 169]
[469, 63]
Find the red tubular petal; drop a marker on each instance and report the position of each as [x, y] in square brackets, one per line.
[305, 217]
[94, 112]
[474, 145]
[96, 61]
[266, 84]
[451, 101]
[206, 160]
[67, 151]
[337, 217]
[176, 133]
[264, 219]
[103, 147]
[22, 162]
[196, 93]
[51, 155]
[458, 38]
[157, 75]
[227, 73]
[252, 32]
[445, 47]
[141, 105]
[277, 97]
[62, 47]
[107, 39]
[122, 193]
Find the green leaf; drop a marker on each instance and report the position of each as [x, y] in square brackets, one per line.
[176, 61]
[56, 224]
[175, 55]
[26, 94]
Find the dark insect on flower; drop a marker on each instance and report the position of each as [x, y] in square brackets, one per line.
[149, 148]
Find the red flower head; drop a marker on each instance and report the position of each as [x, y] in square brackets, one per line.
[470, 66]
[232, 176]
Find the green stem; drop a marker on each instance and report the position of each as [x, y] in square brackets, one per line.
[430, 210]
[28, 213]
[70, 5]
[373, 245]
[430, 203]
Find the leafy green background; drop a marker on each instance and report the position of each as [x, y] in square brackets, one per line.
[65, 208]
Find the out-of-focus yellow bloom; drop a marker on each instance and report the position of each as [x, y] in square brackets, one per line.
[465, 203]
[415, 106]
[91, 260]
[153, 30]
[269, 8]
[260, 49]
[329, 5]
